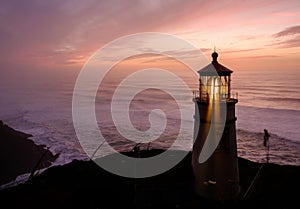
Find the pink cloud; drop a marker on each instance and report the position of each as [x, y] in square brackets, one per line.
[288, 43]
[287, 38]
[57, 31]
[288, 31]
[241, 50]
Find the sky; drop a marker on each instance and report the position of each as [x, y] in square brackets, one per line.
[55, 34]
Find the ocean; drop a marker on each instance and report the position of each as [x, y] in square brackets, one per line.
[39, 102]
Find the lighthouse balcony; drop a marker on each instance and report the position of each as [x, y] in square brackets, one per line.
[200, 97]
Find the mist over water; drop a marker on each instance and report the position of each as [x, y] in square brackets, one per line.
[41, 104]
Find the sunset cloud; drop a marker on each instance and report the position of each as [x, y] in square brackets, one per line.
[62, 32]
[287, 38]
[289, 43]
[241, 50]
[288, 31]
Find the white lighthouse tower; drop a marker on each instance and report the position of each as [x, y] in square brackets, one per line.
[215, 161]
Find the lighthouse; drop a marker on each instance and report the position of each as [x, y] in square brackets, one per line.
[214, 156]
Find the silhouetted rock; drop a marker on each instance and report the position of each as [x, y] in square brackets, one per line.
[83, 184]
[20, 155]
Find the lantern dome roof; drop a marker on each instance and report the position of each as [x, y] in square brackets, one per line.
[215, 67]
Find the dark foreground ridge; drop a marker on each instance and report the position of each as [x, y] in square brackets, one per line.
[20, 155]
[83, 184]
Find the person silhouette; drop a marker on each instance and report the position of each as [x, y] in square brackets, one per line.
[266, 143]
[266, 137]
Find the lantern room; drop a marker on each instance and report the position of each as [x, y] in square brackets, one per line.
[214, 81]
